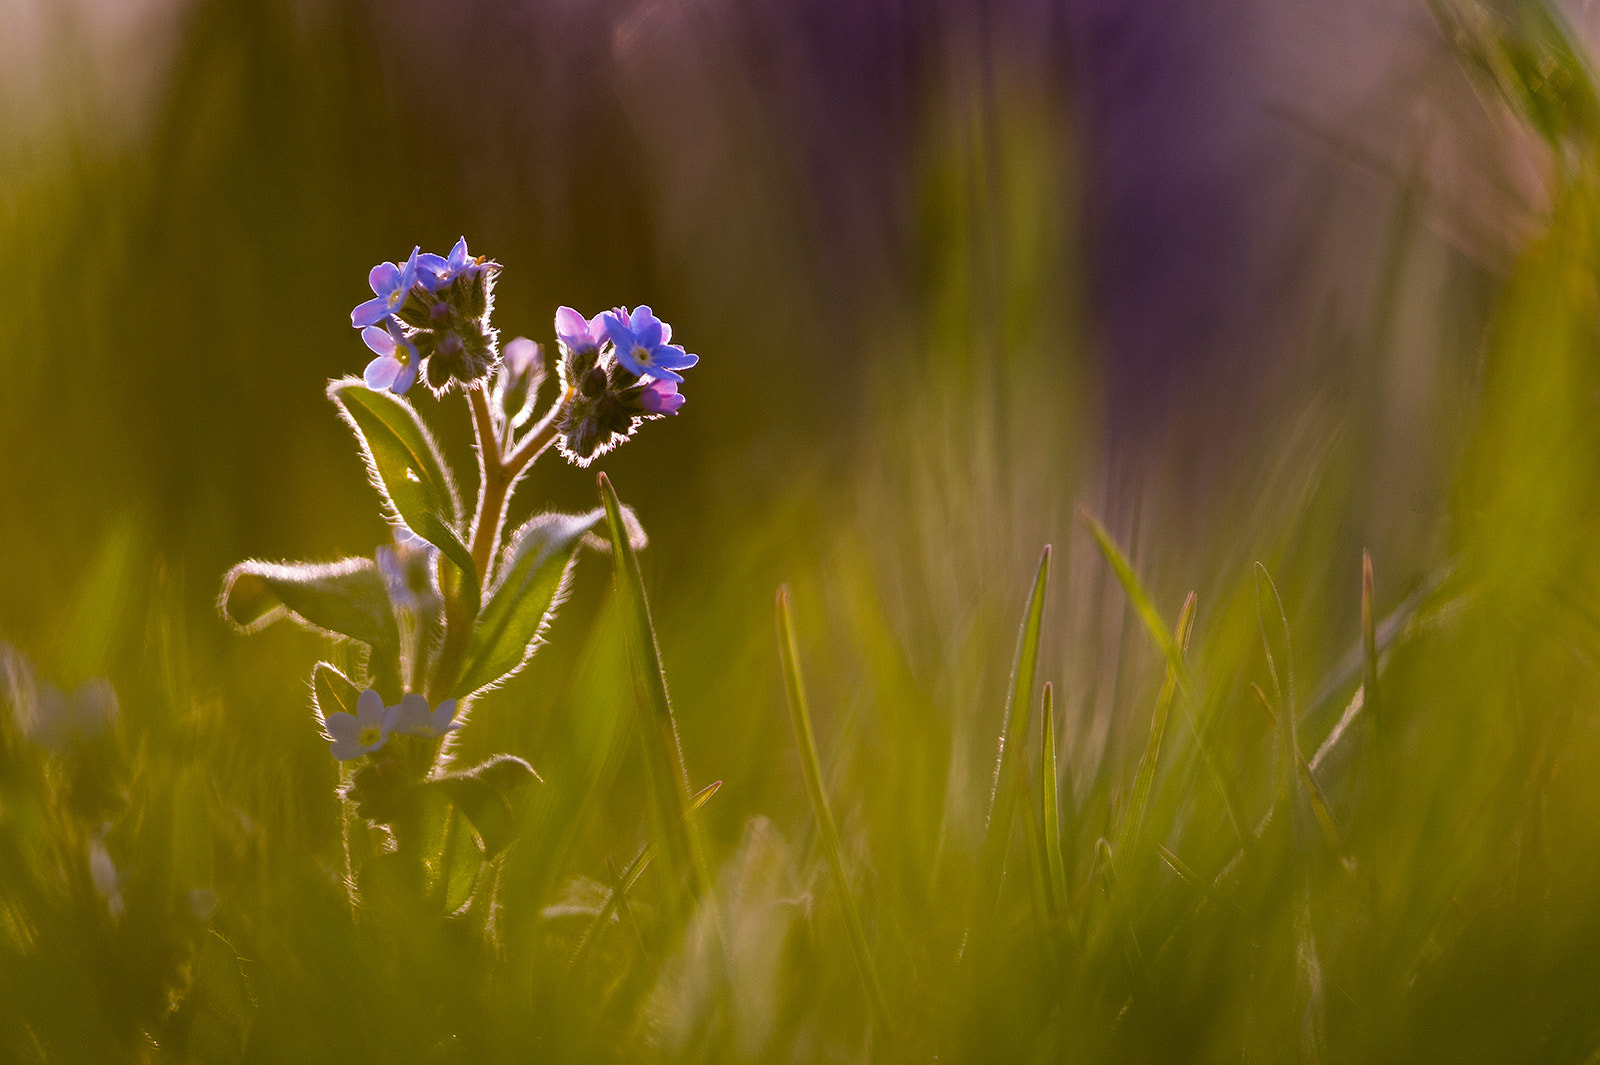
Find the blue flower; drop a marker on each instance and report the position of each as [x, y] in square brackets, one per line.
[395, 368]
[436, 272]
[363, 732]
[579, 334]
[415, 720]
[641, 344]
[390, 283]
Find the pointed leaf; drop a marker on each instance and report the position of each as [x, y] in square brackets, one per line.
[532, 585]
[488, 796]
[345, 598]
[402, 458]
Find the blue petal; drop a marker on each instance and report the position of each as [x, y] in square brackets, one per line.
[381, 373]
[662, 373]
[458, 254]
[617, 330]
[673, 357]
[404, 379]
[382, 278]
[341, 726]
[646, 326]
[370, 313]
[379, 340]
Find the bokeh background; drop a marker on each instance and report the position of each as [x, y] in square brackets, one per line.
[1251, 281]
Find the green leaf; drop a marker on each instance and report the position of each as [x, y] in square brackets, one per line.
[668, 778]
[442, 536]
[1013, 736]
[345, 598]
[334, 692]
[827, 829]
[402, 458]
[1050, 803]
[488, 796]
[532, 584]
[1144, 776]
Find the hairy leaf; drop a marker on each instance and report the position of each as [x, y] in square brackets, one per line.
[345, 598]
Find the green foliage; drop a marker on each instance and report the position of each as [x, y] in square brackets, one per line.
[338, 598]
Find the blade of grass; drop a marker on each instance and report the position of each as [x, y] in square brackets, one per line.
[625, 881]
[1282, 680]
[1014, 734]
[1169, 650]
[1050, 803]
[664, 766]
[827, 828]
[1144, 776]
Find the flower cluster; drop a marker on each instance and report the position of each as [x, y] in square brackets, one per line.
[430, 314]
[367, 730]
[617, 370]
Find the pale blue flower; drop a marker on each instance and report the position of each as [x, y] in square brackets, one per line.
[390, 284]
[361, 733]
[415, 719]
[436, 271]
[641, 344]
[395, 368]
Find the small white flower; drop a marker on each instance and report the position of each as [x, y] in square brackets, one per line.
[363, 732]
[415, 719]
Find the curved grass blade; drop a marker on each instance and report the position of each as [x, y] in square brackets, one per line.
[827, 828]
[1169, 650]
[1144, 776]
[664, 766]
[1013, 737]
[1282, 680]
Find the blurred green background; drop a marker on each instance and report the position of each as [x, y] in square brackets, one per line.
[1276, 294]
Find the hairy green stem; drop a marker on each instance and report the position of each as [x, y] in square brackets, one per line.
[498, 474]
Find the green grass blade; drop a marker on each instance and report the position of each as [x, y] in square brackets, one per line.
[1050, 804]
[1169, 650]
[827, 828]
[1013, 738]
[1144, 776]
[664, 765]
[1282, 674]
[1140, 600]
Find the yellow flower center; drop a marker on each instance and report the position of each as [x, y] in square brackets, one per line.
[369, 736]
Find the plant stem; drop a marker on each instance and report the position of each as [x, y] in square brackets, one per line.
[498, 474]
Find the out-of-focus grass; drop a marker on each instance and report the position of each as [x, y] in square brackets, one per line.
[1260, 876]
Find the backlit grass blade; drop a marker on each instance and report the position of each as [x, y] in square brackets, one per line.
[664, 766]
[1013, 738]
[1144, 776]
[1280, 666]
[1139, 599]
[827, 828]
[1050, 804]
[1169, 650]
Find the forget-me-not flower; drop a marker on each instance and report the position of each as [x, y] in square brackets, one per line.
[641, 344]
[436, 271]
[415, 719]
[363, 732]
[577, 333]
[661, 397]
[395, 368]
[390, 284]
